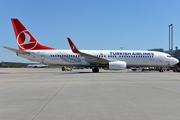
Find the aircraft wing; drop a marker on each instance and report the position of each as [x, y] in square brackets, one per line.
[89, 58]
[93, 59]
[16, 50]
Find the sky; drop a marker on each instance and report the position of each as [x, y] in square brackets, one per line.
[91, 24]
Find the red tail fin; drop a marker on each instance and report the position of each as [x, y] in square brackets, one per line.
[25, 39]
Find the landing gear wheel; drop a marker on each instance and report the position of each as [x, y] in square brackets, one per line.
[95, 69]
[161, 70]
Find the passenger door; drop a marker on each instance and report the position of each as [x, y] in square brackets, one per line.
[42, 57]
[160, 58]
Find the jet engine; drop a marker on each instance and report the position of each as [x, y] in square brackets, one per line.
[116, 65]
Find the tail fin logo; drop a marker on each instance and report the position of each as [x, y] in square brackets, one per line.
[25, 41]
[72, 47]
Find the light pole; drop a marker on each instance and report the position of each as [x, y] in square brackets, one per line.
[171, 37]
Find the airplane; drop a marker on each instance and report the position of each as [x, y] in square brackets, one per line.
[31, 49]
[37, 65]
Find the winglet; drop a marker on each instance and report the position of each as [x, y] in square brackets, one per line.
[73, 47]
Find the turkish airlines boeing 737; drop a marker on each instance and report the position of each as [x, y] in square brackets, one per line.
[31, 49]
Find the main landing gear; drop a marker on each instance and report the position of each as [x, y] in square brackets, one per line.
[95, 69]
[161, 70]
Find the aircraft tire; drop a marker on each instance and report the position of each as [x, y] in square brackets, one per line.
[95, 70]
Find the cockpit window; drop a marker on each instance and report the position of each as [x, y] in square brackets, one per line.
[168, 56]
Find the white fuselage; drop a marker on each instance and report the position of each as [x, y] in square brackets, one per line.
[132, 58]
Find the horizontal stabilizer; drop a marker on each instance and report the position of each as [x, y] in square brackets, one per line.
[16, 50]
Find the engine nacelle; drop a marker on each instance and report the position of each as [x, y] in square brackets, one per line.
[117, 65]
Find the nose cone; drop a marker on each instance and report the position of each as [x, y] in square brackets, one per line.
[174, 61]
